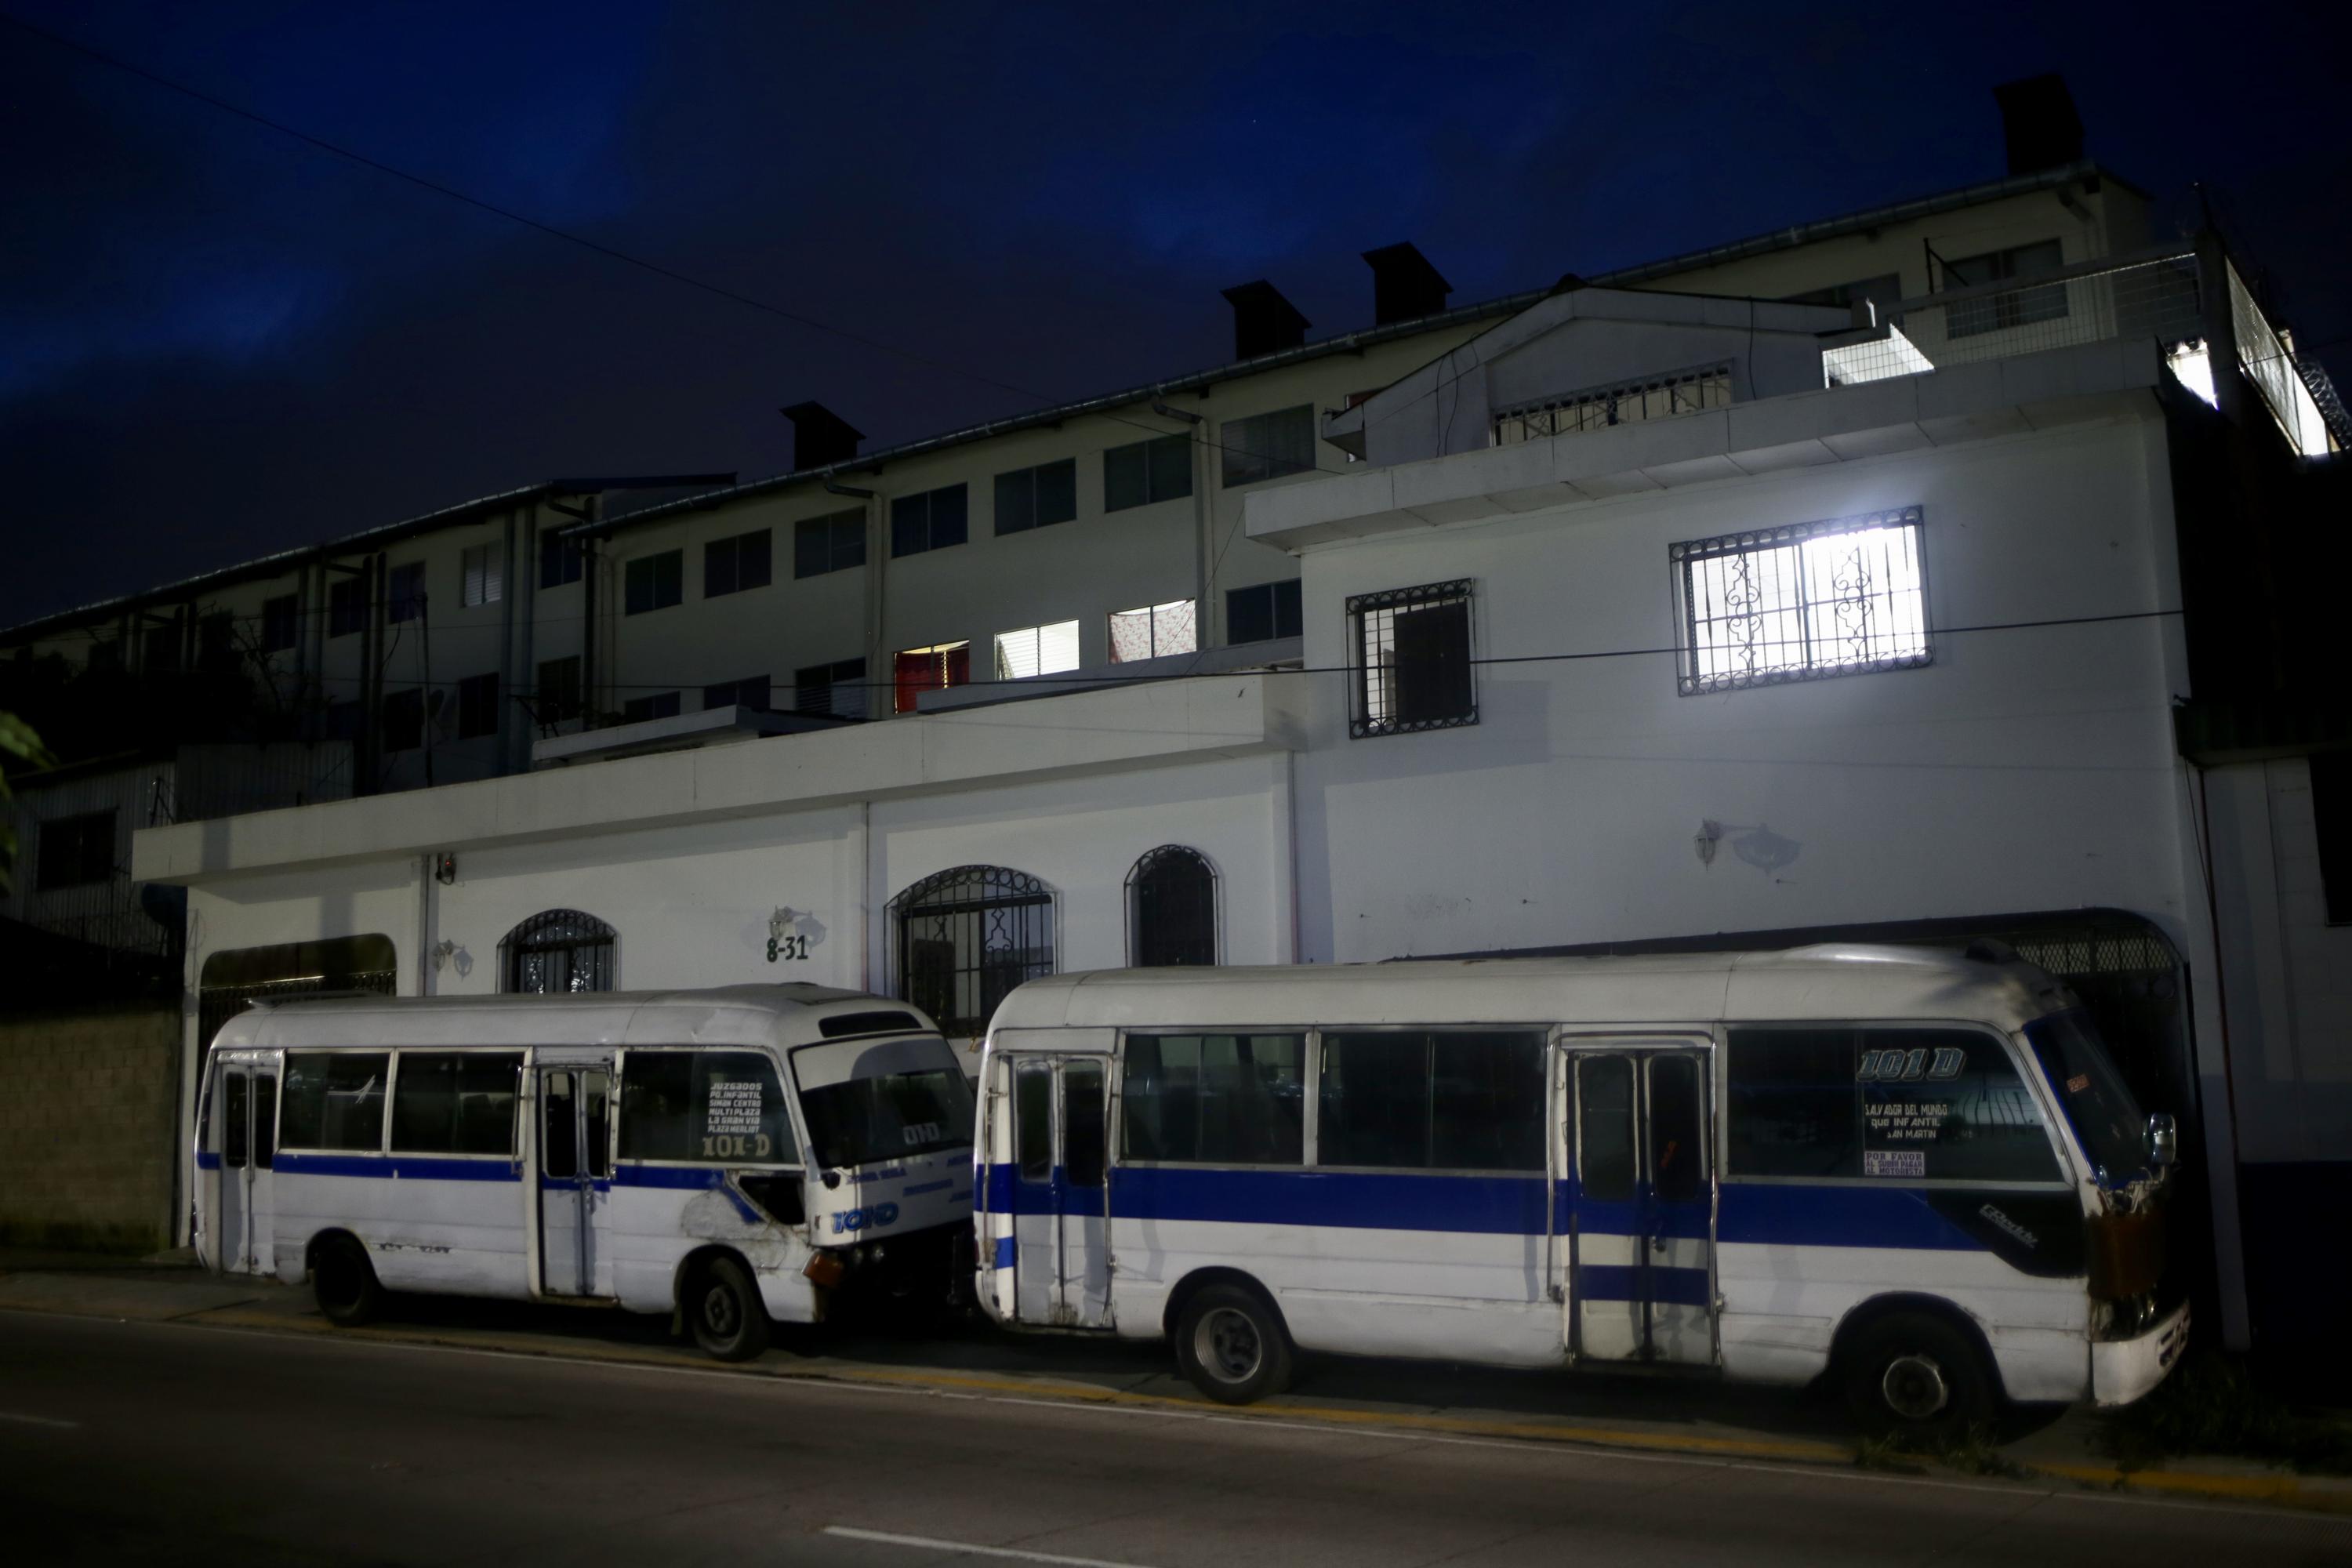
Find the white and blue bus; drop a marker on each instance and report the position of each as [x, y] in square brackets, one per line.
[730, 1156]
[1916, 1169]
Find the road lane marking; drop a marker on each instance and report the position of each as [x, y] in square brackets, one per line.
[38, 1420]
[964, 1548]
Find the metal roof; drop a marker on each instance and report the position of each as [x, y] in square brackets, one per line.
[364, 540]
[1908, 210]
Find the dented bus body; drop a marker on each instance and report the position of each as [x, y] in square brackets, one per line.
[734, 1156]
[1914, 1170]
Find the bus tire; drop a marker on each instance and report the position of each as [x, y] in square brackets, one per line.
[1232, 1345]
[724, 1310]
[1917, 1377]
[344, 1283]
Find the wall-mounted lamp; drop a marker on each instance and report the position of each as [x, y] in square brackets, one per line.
[1704, 839]
[445, 868]
[442, 952]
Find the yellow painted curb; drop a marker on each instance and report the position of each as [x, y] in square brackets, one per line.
[2275, 1489]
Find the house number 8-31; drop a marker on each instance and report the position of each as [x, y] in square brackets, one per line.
[787, 947]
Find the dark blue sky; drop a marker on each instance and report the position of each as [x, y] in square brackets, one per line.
[215, 342]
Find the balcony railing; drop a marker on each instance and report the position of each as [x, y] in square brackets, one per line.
[2156, 296]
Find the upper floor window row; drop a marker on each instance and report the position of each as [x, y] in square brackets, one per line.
[934, 520]
[1659, 397]
[482, 579]
[653, 581]
[1803, 601]
[1268, 445]
[731, 565]
[558, 560]
[405, 596]
[1142, 472]
[1035, 498]
[832, 544]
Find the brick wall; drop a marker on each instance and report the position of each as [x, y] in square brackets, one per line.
[89, 1108]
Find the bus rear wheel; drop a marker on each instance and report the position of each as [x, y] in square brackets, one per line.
[724, 1309]
[1232, 1345]
[345, 1284]
[1917, 1378]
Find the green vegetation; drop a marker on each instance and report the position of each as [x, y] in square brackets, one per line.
[20, 745]
[2213, 1405]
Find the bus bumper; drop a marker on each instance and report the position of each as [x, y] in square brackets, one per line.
[2124, 1369]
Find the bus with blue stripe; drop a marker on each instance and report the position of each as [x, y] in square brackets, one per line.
[732, 1156]
[1915, 1171]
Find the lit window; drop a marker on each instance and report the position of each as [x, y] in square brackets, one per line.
[1155, 631]
[1805, 601]
[1414, 670]
[1037, 650]
[483, 579]
[919, 669]
[1660, 397]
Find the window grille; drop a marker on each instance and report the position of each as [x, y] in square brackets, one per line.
[966, 937]
[1805, 601]
[1661, 397]
[1413, 669]
[556, 952]
[1171, 909]
[1154, 631]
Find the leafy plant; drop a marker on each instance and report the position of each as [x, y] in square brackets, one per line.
[18, 741]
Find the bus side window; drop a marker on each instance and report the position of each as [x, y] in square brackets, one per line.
[1605, 1101]
[1033, 1120]
[559, 1129]
[598, 1089]
[234, 1112]
[265, 1119]
[1083, 1150]
[1677, 1130]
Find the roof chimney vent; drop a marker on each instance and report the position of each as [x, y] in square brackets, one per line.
[1405, 287]
[2038, 118]
[1263, 321]
[821, 436]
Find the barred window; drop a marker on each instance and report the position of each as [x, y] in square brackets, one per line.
[1659, 397]
[1805, 601]
[1413, 668]
[556, 952]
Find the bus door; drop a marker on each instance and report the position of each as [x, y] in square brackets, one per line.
[247, 1094]
[574, 1120]
[1641, 1201]
[1060, 1191]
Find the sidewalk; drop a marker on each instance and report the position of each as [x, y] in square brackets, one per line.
[1692, 1417]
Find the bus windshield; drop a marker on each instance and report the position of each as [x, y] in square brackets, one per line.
[867, 1102]
[2097, 1103]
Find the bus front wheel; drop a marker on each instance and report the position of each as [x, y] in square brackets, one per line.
[345, 1283]
[1231, 1346]
[729, 1320]
[1917, 1377]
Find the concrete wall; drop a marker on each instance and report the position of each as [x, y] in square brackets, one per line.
[89, 1118]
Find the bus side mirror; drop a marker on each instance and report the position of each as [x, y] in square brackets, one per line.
[2163, 1141]
[832, 1178]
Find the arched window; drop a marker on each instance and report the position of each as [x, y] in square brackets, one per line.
[1171, 909]
[966, 937]
[557, 950]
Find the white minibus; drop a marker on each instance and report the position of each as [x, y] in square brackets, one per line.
[730, 1156]
[1914, 1169]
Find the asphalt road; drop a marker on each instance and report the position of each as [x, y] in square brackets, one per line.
[140, 1442]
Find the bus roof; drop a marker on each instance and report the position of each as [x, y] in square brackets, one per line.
[1825, 981]
[729, 1016]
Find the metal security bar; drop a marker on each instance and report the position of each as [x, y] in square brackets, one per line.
[557, 952]
[1805, 601]
[1660, 397]
[966, 937]
[1171, 903]
[1414, 669]
[2145, 297]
